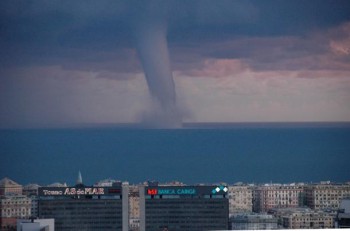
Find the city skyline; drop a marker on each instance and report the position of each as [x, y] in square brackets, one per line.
[68, 64]
[114, 205]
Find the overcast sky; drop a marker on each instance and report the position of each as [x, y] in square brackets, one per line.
[65, 63]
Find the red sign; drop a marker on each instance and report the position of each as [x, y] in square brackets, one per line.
[114, 191]
[152, 191]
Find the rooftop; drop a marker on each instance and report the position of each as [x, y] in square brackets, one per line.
[6, 182]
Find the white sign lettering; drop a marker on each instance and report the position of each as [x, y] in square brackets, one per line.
[48, 192]
[75, 191]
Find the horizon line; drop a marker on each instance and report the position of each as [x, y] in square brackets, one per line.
[188, 125]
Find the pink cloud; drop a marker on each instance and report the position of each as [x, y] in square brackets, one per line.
[340, 44]
[327, 50]
[218, 68]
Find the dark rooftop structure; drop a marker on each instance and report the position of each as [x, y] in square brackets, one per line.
[343, 215]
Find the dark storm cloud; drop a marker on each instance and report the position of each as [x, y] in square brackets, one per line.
[60, 32]
[222, 20]
[56, 32]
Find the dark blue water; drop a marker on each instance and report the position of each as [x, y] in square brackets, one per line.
[243, 153]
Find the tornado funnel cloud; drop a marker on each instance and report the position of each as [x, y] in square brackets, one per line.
[153, 51]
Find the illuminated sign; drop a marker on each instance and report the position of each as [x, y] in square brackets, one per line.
[219, 188]
[152, 191]
[76, 191]
[171, 191]
[187, 190]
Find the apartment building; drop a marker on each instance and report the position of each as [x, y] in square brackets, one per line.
[270, 196]
[13, 207]
[326, 195]
[307, 220]
[240, 199]
[8, 187]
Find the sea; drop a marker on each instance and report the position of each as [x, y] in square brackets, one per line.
[197, 153]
